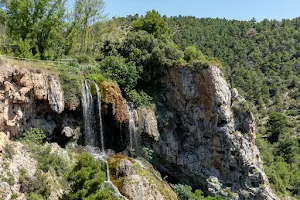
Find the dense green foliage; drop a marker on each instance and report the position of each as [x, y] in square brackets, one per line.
[153, 24]
[34, 135]
[185, 192]
[262, 61]
[86, 179]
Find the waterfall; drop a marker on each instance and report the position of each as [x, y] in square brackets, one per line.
[101, 156]
[90, 133]
[132, 130]
[100, 117]
[88, 115]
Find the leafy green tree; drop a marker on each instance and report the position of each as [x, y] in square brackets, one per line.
[87, 14]
[125, 73]
[38, 22]
[86, 179]
[153, 23]
[3, 26]
[191, 53]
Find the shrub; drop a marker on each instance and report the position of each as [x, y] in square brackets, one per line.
[71, 79]
[37, 186]
[139, 98]
[86, 179]
[125, 73]
[9, 151]
[147, 153]
[34, 196]
[185, 192]
[191, 53]
[34, 135]
[83, 59]
[14, 196]
[48, 160]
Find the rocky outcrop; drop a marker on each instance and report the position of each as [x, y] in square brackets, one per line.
[204, 136]
[15, 162]
[20, 172]
[114, 101]
[115, 117]
[137, 180]
[30, 98]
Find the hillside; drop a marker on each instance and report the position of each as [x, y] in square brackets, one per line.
[166, 108]
[262, 62]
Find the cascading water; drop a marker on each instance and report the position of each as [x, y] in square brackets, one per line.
[132, 131]
[101, 156]
[88, 115]
[100, 117]
[91, 134]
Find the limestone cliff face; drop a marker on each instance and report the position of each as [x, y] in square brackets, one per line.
[204, 136]
[30, 98]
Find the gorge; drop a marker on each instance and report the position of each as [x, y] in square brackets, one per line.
[198, 130]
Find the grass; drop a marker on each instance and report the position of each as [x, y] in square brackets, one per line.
[31, 65]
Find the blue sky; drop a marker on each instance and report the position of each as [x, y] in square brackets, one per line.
[229, 9]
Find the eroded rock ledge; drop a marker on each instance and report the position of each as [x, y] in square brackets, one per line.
[204, 137]
[31, 98]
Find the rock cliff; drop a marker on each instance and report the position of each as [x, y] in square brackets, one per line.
[31, 98]
[203, 136]
[137, 180]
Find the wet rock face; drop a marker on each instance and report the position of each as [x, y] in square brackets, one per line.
[29, 98]
[137, 180]
[115, 117]
[205, 137]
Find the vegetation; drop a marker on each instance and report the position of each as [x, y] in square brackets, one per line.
[261, 60]
[185, 192]
[86, 179]
[34, 135]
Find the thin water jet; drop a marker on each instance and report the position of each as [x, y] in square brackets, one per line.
[100, 117]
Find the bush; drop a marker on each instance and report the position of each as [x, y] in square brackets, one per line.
[49, 161]
[147, 153]
[84, 59]
[125, 73]
[9, 151]
[185, 192]
[14, 196]
[71, 79]
[191, 53]
[36, 187]
[34, 135]
[139, 98]
[86, 179]
[34, 196]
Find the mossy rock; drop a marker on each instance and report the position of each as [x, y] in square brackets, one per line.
[137, 179]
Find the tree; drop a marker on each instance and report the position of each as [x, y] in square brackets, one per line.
[87, 14]
[191, 53]
[37, 22]
[86, 179]
[3, 26]
[153, 23]
[278, 125]
[125, 73]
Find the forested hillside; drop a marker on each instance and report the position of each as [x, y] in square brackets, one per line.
[260, 59]
[263, 62]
